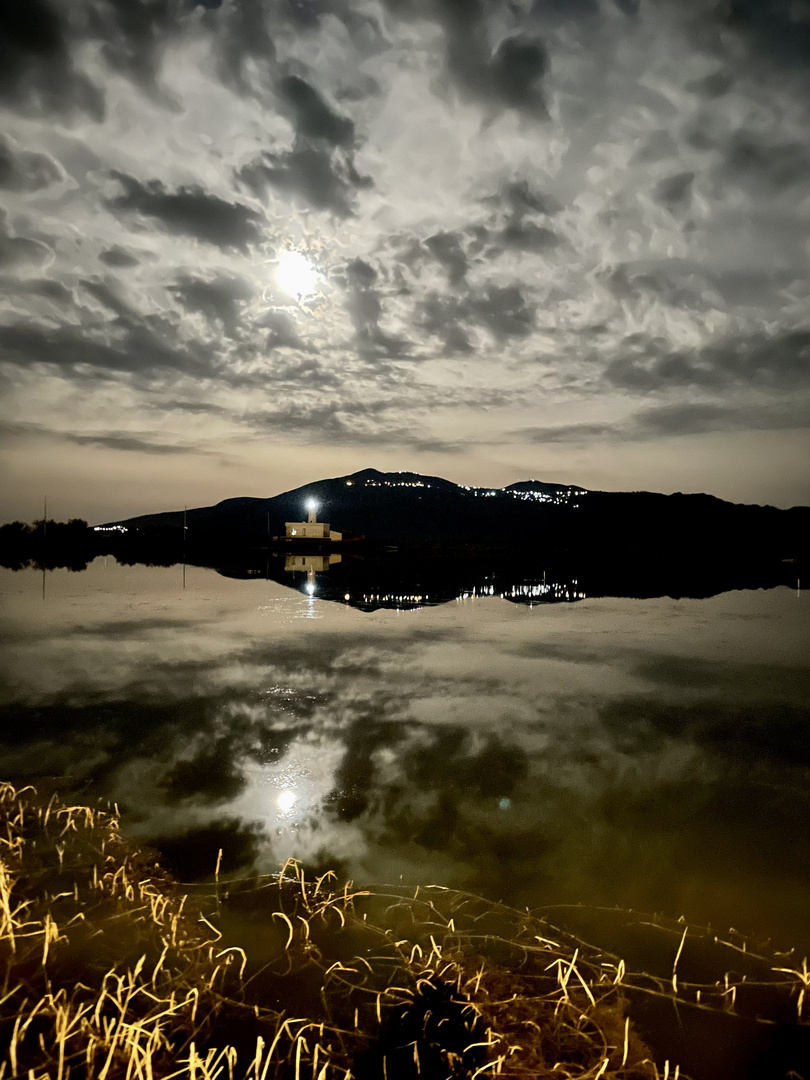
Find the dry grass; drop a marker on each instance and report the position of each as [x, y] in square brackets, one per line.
[111, 970]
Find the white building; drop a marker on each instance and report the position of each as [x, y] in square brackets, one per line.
[311, 529]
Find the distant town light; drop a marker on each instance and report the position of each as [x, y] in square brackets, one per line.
[310, 588]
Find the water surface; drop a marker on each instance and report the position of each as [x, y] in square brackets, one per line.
[652, 754]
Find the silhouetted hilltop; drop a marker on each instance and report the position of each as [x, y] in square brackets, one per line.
[413, 510]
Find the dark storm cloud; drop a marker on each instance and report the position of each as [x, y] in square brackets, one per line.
[771, 166]
[118, 348]
[135, 36]
[526, 227]
[365, 309]
[440, 315]
[190, 211]
[319, 168]
[698, 418]
[780, 29]
[346, 422]
[20, 250]
[334, 423]
[196, 408]
[517, 68]
[521, 199]
[307, 369]
[241, 34]
[503, 310]
[220, 301]
[107, 440]
[567, 433]
[316, 176]
[679, 283]
[504, 74]
[675, 192]
[447, 250]
[37, 75]
[689, 285]
[45, 288]
[310, 14]
[130, 443]
[656, 147]
[780, 361]
[110, 296]
[688, 418]
[118, 258]
[282, 331]
[527, 236]
[311, 115]
[360, 274]
[455, 252]
[22, 170]
[712, 86]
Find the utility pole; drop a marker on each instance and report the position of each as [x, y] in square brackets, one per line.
[44, 534]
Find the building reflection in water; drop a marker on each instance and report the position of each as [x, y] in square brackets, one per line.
[309, 566]
[372, 585]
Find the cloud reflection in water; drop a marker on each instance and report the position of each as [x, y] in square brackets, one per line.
[648, 753]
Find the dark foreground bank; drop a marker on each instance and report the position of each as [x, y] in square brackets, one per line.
[112, 969]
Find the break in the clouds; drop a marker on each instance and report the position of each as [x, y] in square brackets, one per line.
[569, 240]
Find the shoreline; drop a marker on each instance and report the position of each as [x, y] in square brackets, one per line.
[127, 972]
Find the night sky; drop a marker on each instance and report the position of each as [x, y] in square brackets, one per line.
[250, 244]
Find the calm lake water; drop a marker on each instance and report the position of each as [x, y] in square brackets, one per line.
[652, 754]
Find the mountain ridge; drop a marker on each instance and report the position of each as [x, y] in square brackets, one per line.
[418, 509]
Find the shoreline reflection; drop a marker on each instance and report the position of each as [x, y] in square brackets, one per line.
[649, 754]
[405, 582]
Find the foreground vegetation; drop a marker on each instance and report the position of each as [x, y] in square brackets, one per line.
[110, 969]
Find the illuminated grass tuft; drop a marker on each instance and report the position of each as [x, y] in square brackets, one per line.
[112, 971]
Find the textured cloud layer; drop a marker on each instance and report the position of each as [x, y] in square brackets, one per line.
[532, 224]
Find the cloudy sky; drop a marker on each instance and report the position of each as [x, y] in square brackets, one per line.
[251, 243]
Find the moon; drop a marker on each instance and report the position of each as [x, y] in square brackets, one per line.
[286, 800]
[296, 275]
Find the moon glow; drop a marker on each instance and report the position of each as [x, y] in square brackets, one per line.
[296, 275]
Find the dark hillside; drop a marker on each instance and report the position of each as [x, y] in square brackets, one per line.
[412, 510]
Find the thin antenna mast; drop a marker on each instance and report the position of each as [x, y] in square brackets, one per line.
[44, 534]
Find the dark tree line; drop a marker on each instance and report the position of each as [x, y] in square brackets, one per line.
[47, 544]
[73, 544]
